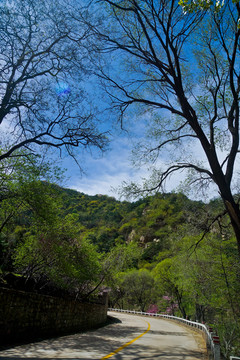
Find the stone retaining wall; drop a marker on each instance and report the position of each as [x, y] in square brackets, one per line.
[28, 315]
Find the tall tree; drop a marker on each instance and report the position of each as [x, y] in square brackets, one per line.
[43, 52]
[182, 68]
[138, 286]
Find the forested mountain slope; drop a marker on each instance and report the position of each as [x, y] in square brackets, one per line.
[148, 221]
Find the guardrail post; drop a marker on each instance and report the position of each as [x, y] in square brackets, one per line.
[216, 343]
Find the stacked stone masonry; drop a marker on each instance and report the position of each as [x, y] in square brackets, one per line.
[28, 315]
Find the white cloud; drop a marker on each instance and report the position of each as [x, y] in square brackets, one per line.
[106, 173]
[110, 171]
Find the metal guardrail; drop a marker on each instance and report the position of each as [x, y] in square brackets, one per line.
[212, 340]
[234, 358]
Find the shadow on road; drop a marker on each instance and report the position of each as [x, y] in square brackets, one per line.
[98, 343]
[105, 340]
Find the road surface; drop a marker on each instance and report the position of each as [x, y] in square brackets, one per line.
[131, 338]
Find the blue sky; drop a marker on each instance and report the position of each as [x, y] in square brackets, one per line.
[105, 174]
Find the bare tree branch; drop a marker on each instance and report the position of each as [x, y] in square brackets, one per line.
[42, 52]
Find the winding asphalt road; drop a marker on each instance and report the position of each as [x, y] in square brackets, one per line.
[131, 338]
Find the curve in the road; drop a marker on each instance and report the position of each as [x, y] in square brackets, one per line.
[126, 344]
[166, 340]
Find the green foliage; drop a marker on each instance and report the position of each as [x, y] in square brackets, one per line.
[121, 258]
[202, 5]
[211, 273]
[209, 276]
[138, 286]
[59, 254]
[25, 199]
[192, 6]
